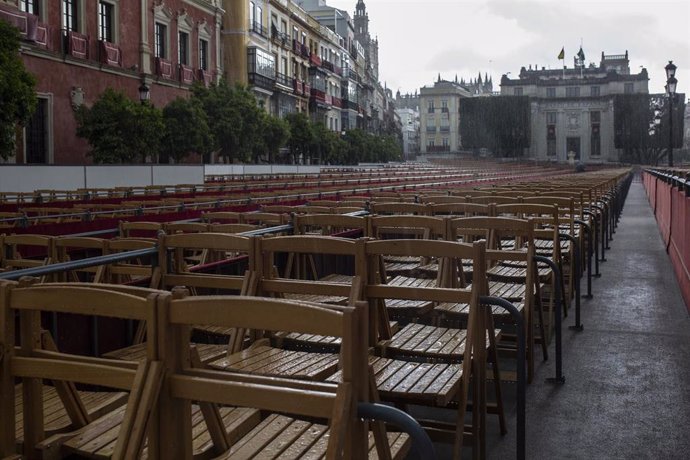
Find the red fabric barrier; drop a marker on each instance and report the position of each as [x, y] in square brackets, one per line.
[672, 211]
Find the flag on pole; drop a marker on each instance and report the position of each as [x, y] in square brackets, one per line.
[561, 55]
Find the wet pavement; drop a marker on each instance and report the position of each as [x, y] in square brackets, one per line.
[627, 389]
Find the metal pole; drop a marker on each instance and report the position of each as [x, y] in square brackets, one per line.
[670, 130]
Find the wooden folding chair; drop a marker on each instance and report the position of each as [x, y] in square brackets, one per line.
[34, 362]
[303, 419]
[69, 248]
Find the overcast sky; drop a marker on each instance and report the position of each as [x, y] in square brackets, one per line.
[420, 38]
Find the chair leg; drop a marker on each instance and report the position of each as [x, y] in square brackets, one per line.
[497, 388]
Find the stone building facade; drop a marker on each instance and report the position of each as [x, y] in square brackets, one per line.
[439, 108]
[572, 108]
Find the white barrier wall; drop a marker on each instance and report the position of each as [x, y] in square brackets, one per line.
[117, 176]
[227, 170]
[28, 178]
[170, 175]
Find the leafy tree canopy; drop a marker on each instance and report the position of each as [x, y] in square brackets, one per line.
[275, 132]
[301, 134]
[234, 118]
[186, 129]
[120, 130]
[632, 115]
[17, 94]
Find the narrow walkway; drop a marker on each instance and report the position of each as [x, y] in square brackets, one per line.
[627, 390]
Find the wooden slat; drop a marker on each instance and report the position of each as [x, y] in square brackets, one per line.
[72, 371]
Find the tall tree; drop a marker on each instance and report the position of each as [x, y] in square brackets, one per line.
[234, 118]
[301, 135]
[632, 114]
[17, 94]
[274, 133]
[186, 129]
[120, 130]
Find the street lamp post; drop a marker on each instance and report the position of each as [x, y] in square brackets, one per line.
[144, 93]
[671, 84]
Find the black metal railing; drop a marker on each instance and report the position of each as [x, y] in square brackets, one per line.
[673, 177]
[283, 79]
[258, 28]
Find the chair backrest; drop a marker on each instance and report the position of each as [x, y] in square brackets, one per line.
[328, 224]
[304, 274]
[139, 229]
[546, 219]
[26, 251]
[347, 437]
[461, 209]
[185, 227]
[402, 226]
[446, 288]
[14, 219]
[495, 199]
[135, 270]
[438, 199]
[39, 361]
[69, 248]
[222, 217]
[399, 208]
[266, 219]
[231, 228]
[216, 249]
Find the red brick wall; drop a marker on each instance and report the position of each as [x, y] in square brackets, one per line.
[57, 76]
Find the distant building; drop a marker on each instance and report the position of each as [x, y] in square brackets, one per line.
[572, 108]
[439, 116]
[478, 87]
[409, 120]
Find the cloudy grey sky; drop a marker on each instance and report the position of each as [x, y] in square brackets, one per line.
[420, 38]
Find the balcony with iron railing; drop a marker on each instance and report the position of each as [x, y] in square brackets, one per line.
[431, 129]
[261, 81]
[283, 80]
[318, 95]
[445, 129]
[297, 87]
[438, 148]
[258, 28]
[315, 60]
[328, 65]
[280, 37]
[300, 49]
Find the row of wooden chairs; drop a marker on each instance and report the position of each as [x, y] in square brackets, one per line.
[384, 364]
[201, 312]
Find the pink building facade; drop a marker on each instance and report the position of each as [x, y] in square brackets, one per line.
[78, 48]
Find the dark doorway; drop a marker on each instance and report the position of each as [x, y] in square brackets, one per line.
[572, 144]
[37, 134]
